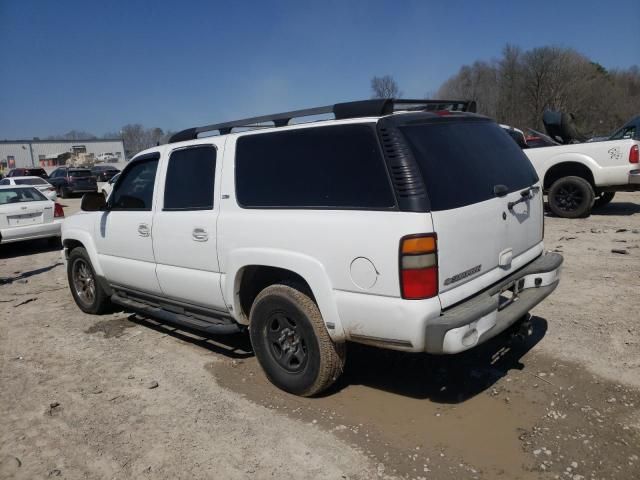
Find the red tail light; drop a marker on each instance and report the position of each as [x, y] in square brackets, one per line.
[57, 210]
[419, 266]
[634, 154]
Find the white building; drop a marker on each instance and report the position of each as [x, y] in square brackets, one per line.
[45, 153]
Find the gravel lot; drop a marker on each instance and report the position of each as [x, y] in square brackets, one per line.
[121, 396]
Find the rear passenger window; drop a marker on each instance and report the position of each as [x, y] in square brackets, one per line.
[190, 179]
[134, 191]
[325, 167]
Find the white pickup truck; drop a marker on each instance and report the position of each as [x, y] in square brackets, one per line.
[579, 177]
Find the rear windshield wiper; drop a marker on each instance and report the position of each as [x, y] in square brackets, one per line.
[526, 194]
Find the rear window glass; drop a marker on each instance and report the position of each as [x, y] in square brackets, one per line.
[30, 181]
[35, 171]
[19, 195]
[190, 178]
[79, 173]
[326, 167]
[461, 162]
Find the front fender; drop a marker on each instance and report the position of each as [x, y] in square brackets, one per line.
[309, 268]
[85, 238]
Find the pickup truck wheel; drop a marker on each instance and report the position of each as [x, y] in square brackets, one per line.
[291, 341]
[64, 192]
[86, 290]
[571, 197]
[604, 199]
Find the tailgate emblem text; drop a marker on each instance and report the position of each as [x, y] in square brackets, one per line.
[461, 275]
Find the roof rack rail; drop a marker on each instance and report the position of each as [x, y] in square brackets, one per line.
[361, 108]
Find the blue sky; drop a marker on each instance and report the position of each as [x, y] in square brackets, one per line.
[96, 66]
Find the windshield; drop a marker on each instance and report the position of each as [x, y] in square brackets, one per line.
[462, 161]
[30, 181]
[20, 195]
[79, 173]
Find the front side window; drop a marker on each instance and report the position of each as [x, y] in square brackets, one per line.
[332, 167]
[134, 190]
[190, 179]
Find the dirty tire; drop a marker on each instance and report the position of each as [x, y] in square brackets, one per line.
[79, 262]
[291, 341]
[571, 197]
[604, 199]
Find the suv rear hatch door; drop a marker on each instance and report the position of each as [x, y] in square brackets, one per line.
[473, 171]
[81, 178]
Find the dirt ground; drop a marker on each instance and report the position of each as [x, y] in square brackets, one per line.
[121, 396]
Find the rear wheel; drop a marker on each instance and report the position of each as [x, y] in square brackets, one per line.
[291, 341]
[604, 199]
[571, 197]
[86, 290]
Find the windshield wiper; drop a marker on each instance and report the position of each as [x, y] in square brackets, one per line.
[526, 194]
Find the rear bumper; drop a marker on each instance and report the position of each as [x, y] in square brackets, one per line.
[30, 232]
[634, 177]
[484, 316]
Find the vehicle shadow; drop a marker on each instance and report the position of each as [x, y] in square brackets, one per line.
[30, 273]
[617, 208]
[237, 346]
[29, 247]
[439, 378]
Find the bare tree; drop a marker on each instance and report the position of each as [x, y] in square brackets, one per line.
[73, 135]
[134, 138]
[385, 87]
[518, 87]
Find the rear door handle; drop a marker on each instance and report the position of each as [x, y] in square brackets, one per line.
[143, 230]
[200, 235]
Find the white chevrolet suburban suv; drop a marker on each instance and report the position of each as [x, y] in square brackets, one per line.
[408, 225]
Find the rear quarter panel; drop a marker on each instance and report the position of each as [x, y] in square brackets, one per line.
[319, 245]
[608, 160]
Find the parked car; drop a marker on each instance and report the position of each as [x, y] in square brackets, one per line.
[26, 214]
[28, 172]
[68, 181]
[108, 186]
[631, 129]
[104, 172]
[516, 134]
[536, 139]
[40, 183]
[406, 224]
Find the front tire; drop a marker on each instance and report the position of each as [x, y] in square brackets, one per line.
[571, 197]
[84, 285]
[291, 341]
[64, 192]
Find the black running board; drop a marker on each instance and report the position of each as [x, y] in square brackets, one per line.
[216, 326]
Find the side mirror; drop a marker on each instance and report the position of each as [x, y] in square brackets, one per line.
[93, 202]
